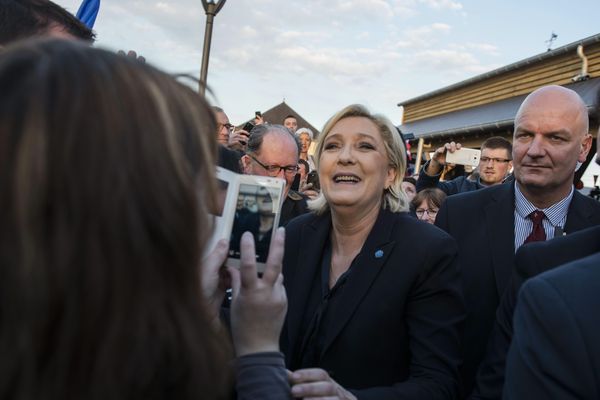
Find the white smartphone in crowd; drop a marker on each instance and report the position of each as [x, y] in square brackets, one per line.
[464, 156]
[247, 203]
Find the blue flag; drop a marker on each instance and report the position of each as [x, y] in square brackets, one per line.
[88, 10]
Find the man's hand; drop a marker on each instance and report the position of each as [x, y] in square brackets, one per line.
[437, 162]
[238, 140]
[132, 54]
[259, 120]
[308, 190]
[315, 383]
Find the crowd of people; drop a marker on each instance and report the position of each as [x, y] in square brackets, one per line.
[377, 285]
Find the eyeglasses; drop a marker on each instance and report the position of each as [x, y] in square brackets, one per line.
[486, 160]
[431, 212]
[274, 170]
[228, 126]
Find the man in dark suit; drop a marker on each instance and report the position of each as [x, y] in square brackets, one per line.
[555, 351]
[530, 261]
[550, 137]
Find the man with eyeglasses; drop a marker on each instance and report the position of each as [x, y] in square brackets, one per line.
[551, 134]
[231, 147]
[273, 150]
[494, 167]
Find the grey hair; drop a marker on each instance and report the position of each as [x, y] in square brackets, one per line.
[258, 133]
[393, 198]
[305, 130]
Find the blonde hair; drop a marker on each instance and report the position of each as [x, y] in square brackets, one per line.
[393, 198]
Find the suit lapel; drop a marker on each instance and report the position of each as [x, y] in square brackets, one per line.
[579, 215]
[365, 269]
[500, 223]
[312, 238]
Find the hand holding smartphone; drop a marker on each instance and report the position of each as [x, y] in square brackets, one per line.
[464, 156]
[250, 204]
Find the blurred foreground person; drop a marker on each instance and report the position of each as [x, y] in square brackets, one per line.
[375, 304]
[22, 19]
[555, 351]
[106, 179]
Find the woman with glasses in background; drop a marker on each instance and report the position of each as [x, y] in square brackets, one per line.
[427, 203]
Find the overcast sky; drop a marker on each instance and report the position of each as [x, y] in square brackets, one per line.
[320, 55]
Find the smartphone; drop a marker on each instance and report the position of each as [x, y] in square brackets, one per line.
[313, 177]
[252, 204]
[248, 126]
[464, 156]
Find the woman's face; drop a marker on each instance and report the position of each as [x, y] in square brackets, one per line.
[426, 213]
[353, 167]
[304, 142]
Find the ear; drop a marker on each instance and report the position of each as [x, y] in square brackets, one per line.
[246, 164]
[586, 145]
[391, 177]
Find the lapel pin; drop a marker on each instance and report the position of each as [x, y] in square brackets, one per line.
[379, 254]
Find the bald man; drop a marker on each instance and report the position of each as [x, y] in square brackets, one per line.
[550, 137]
[530, 261]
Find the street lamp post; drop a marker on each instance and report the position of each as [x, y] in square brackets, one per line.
[211, 7]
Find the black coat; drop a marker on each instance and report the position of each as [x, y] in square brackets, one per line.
[482, 222]
[397, 335]
[555, 353]
[530, 261]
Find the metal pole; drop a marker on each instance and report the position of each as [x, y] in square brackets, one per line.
[419, 155]
[210, 15]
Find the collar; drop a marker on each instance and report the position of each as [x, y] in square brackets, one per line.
[556, 213]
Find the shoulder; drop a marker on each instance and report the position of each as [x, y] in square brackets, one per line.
[538, 257]
[296, 224]
[467, 199]
[579, 201]
[404, 222]
[573, 280]
[418, 237]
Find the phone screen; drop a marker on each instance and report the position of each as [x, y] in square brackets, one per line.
[255, 213]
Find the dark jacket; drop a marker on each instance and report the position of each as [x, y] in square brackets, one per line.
[482, 222]
[454, 186]
[530, 261]
[293, 206]
[229, 159]
[458, 185]
[555, 352]
[397, 332]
